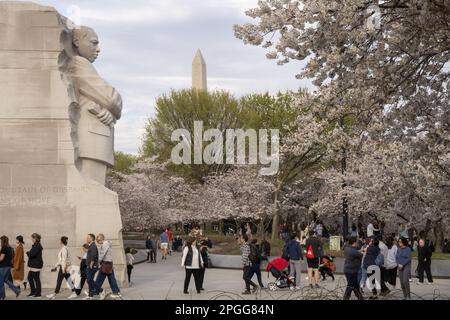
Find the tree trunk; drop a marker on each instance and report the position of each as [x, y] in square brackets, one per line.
[438, 236]
[276, 215]
[261, 228]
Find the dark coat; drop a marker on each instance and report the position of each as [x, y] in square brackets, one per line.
[92, 255]
[35, 257]
[316, 246]
[424, 253]
[353, 259]
[371, 255]
[294, 250]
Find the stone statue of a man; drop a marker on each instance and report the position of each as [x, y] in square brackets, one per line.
[98, 107]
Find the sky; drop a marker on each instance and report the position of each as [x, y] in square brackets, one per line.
[148, 47]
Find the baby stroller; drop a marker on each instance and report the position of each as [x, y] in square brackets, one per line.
[278, 269]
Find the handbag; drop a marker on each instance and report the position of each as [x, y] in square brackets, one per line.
[106, 267]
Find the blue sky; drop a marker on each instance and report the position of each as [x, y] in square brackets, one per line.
[148, 46]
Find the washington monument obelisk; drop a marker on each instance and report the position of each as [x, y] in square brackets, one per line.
[199, 79]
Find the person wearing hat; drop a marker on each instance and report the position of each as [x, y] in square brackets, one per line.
[18, 273]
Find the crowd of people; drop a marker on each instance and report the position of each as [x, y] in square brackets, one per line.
[365, 250]
[95, 265]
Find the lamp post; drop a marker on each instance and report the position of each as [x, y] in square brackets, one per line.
[344, 198]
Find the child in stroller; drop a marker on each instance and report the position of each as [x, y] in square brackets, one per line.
[279, 269]
[327, 267]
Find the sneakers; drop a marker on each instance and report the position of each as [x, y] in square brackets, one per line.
[18, 293]
[246, 292]
[73, 295]
[86, 293]
[88, 298]
[116, 296]
[103, 295]
[255, 288]
[186, 292]
[51, 296]
[317, 286]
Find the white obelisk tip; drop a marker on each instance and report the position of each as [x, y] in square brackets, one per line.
[199, 74]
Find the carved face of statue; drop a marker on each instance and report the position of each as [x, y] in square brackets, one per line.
[87, 44]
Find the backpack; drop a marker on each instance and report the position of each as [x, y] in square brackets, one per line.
[254, 254]
[379, 260]
[310, 253]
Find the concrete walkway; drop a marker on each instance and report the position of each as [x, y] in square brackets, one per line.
[164, 280]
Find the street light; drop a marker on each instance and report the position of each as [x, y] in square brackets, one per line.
[344, 198]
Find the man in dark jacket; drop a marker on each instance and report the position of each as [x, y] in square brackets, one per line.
[352, 265]
[294, 251]
[151, 247]
[91, 265]
[424, 261]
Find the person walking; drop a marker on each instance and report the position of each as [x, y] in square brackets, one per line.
[256, 259]
[106, 270]
[18, 273]
[6, 261]
[151, 247]
[370, 257]
[192, 262]
[246, 264]
[294, 251]
[362, 276]
[170, 235]
[91, 266]
[83, 269]
[384, 252]
[424, 258]
[205, 258]
[164, 240]
[403, 260]
[265, 249]
[352, 265]
[62, 267]
[313, 253]
[130, 263]
[390, 262]
[35, 265]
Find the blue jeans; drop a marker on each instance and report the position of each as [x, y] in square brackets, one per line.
[5, 277]
[90, 274]
[362, 282]
[111, 279]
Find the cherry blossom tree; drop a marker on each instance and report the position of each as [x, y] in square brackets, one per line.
[152, 197]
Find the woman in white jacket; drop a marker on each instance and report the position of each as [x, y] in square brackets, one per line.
[62, 266]
[390, 263]
[192, 261]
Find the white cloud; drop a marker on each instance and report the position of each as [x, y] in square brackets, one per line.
[155, 12]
